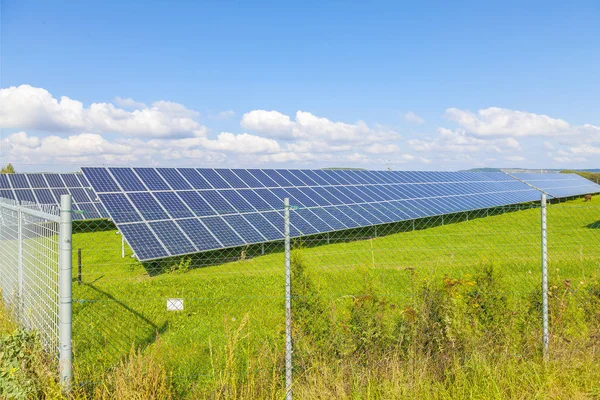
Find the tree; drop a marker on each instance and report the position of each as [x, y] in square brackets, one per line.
[8, 169]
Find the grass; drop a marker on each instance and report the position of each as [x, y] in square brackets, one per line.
[367, 309]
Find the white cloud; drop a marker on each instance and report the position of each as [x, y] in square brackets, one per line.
[224, 115]
[271, 123]
[495, 121]
[413, 118]
[514, 158]
[410, 158]
[310, 127]
[242, 143]
[129, 103]
[27, 107]
[378, 148]
[458, 141]
[20, 146]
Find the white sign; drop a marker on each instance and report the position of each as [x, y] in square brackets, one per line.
[174, 304]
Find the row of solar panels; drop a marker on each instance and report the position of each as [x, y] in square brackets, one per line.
[559, 185]
[174, 211]
[115, 180]
[47, 189]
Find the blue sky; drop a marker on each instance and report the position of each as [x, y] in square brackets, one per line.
[534, 66]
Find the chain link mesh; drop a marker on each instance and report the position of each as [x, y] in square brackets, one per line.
[391, 304]
[29, 250]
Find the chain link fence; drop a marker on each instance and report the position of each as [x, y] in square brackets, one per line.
[374, 311]
[35, 273]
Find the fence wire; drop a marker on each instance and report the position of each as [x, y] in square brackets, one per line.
[387, 305]
[29, 247]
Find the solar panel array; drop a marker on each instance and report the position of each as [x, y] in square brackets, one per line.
[47, 189]
[175, 211]
[559, 185]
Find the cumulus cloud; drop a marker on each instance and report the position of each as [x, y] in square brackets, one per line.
[413, 118]
[514, 158]
[458, 141]
[224, 115]
[379, 148]
[272, 123]
[129, 103]
[496, 121]
[21, 146]
[27, 107]
[242, 143]
[310, 127]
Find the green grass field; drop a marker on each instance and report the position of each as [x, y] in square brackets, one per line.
[233, 322]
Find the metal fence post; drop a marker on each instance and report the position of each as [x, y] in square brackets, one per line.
[65, 293]
[288, 301]
[545, 336]
[20, 301]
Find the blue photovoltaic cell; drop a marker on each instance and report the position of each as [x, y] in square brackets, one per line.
[37, 181]
[198, 234]
[301, 224]
[119, 208]
[18, 181]
[217, 202]
[100, 180]
[247, 178]
[303, 177]
[271, 198]
[194, 178]
[128, 180]
[196, 203]
[151, 179]
[70, 180]
[24, 195]
[314, 177]
[147, 206]
[290, 178]
[4, 184]
[173, 204]
[222, 231]
[559, 185]
[315, 197]
[253, 198]
[329, 219]
[7, 194]
[244, 229]
[172, 177]
[262, 224]
[231, 178]
[237, 201]
[263, 178]
[276, 218]
[143, 241]
[58, 193]
[89, 211]
[80, 195]
[277, 178]
[342, 217]
[44, 196]
[213, 178]
[172, 237]
[55, 181]
[84, 182]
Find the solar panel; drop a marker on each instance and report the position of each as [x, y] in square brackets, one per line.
[175, 211]
[559, 185]
[47, 188]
